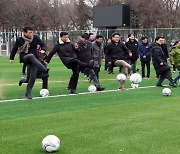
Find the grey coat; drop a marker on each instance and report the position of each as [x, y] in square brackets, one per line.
[97, 53]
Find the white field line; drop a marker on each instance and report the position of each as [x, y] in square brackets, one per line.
[40, 82]
[65, 95]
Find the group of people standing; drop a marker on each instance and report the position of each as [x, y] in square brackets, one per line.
[156, 51]
[85, 56]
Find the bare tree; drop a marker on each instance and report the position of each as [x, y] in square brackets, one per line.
[77, 14]
[83, 14]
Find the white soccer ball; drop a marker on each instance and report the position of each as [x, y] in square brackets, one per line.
[92, 88]
[51, 143]
[44, 92]
[121, 77]
[133, 85]
[135, 78]
[166, 91]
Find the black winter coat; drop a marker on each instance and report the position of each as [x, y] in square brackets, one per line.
[116, 52]
[65, 51]
[84, 54]
[133, 47]
[32, 49]
[165, 50]
[158, 57]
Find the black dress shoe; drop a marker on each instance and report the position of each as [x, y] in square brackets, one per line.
[73, 91]
[100, 88]
[20, 82]
[23, 80]
[28, 96]
[172, 84]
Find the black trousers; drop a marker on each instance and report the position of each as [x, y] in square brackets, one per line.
[96, 71]
[91, 74]
[74, 65]
[24, 68]
[34, 65]
[165, 75]
[74, 77]
[130, 61]
[147, 64]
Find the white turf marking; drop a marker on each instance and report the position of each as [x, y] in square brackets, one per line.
[65, 95]
[15, 84]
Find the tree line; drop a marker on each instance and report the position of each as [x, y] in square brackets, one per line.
[68, 15]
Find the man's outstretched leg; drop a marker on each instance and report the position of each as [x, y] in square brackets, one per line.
[31, 59]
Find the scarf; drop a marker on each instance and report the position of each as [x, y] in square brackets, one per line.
[25, 47]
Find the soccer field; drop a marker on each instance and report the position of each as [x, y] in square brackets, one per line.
[134, 121]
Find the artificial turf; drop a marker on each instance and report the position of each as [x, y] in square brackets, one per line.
[132, 121]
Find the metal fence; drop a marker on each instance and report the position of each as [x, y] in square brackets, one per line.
[7, 39]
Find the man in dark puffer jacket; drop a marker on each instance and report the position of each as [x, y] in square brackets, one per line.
[66, 52]
[159, 62]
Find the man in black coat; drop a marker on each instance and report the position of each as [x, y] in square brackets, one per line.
[159, 62]
[165, 49]
[84, 54]
[66, 52]
[29, 55]
[132, 45]
[116, 52]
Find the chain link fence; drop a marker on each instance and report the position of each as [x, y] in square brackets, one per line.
[7, 39]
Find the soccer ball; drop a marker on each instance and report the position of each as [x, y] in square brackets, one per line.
[135, 78]
[44, 92]
[133, 85]
[50, 143]
[166, 91]
[92, 88]
[121, 77]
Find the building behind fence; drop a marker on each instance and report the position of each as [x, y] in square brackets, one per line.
[7, 39]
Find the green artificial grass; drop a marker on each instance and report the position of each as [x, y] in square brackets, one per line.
[137, 121]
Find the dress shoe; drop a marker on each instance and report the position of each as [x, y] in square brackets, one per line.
[23, 80]
[28, 96]
[100, 88]
[73, 91]
[172, 84]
